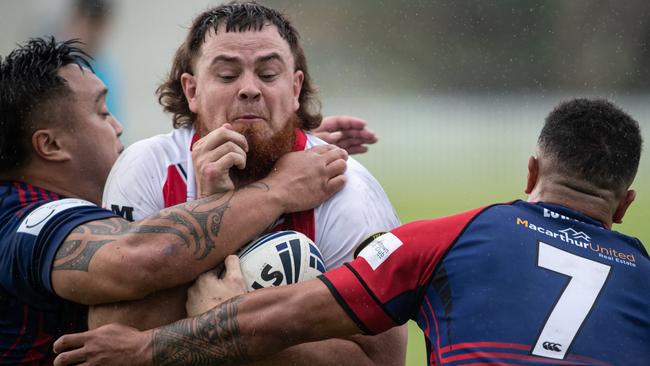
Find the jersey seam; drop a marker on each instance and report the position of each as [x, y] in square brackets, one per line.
[339, 299]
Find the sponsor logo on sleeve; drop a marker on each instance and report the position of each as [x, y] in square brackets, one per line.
[380, 249]
[124, 211]
[36, 220]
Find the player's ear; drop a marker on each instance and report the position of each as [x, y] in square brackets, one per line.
[188, 82]
[49, 145]
[623, 206]
[298, 78]
[533, 174]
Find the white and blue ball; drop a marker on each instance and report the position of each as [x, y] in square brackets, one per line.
[280, 258]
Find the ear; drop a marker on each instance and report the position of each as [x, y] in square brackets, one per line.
[47, 144]
[188, 82]
[623, 206]
[298, 78]
[533, 174]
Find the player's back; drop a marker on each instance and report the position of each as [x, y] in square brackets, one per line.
[524, 281]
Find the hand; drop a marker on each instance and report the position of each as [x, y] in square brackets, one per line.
[308, 178]
[209, 291]
[213, 156]
[112, 344]
[349, 133]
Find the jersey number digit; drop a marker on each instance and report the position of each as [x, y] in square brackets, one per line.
[587, 279]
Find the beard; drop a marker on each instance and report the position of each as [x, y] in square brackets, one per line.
[263, 151]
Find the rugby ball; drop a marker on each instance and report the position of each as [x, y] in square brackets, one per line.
[280, 258]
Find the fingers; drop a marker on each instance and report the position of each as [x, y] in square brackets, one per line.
[220, 152]
[364, 136]
[356, 150]
[336, 123]
[69, 341]
[330, 153]
[329, 137]
[336, 167]
[336, 184]
[219, 137]
[218, 167]
[75, 357]
[233, 268]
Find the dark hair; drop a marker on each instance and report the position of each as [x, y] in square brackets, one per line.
[594, 141]
[238, 17]
[29, 82]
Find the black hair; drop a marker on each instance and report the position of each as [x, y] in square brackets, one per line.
[29, 81]
[237, 17]
[594, 141]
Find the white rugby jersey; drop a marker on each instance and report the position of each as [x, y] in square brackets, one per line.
[158, 172]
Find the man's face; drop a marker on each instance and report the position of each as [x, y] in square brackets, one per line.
[91, 133]
[246, 79]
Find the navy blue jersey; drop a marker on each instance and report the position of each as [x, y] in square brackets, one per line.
[33, 223]
[520, 283]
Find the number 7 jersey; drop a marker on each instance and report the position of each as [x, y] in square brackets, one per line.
[519, 283]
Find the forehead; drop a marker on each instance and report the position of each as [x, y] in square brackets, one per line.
[81, 81]
[245, 45]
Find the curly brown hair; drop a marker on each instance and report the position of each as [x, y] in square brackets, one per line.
[238, 17]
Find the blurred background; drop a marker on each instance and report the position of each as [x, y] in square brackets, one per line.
[456, 90]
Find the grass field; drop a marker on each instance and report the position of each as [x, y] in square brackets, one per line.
[442, 155]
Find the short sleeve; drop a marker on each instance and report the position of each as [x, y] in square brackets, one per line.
[32, 243]
[134, 187]
[385, 285]
[358, 211]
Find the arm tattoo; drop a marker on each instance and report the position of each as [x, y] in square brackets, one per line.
[196, 224]
[212, 338]
[75, 254]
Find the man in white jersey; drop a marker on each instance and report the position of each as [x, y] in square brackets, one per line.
[241, 98]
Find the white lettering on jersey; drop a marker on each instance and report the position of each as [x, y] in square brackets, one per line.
[34, 222]
[380, 249]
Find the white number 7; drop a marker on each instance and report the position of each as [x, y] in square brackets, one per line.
[587, 279]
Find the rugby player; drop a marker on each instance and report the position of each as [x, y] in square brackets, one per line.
[58, 249]
[241, 97]
[541, 282]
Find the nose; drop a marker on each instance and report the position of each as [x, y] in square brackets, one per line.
[117, 126]
[249, 90]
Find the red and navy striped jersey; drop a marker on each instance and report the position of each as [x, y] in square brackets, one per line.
[33, 223]
[519, 283]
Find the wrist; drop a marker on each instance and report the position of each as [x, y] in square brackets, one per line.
[144, 356]
[278, 196]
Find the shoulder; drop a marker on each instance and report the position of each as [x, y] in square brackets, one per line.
[159, 150]
[444, 230]
[136, 180]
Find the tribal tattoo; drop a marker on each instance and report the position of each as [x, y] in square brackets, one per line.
[196, 224]
[212, 338]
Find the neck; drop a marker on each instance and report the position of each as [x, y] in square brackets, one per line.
[599, 204]
[58, 183]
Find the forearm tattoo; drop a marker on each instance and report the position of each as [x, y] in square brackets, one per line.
[195, 224]
[212, 338]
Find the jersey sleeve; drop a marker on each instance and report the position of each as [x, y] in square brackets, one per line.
[134, 186]
[358, 211]
[385, 285]
[31, 247]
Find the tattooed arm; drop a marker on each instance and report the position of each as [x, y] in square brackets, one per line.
[242, 329]
[113, 260]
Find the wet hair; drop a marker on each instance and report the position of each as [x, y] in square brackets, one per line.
[30, 88]
[594, 141]
[237, 17]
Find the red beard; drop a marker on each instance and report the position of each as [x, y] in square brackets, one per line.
[263, 151]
